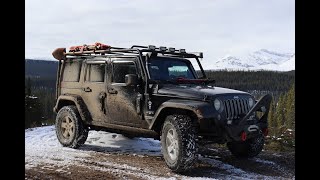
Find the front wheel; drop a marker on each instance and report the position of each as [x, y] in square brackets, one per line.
[70, 129]
[178, 140]
[247, 149]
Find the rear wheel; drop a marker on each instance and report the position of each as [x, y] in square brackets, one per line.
[178, 140]
[247, 149]
[70, 129]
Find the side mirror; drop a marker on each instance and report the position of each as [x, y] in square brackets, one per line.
[131, 79]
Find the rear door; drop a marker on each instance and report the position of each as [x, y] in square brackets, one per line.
[94, 89]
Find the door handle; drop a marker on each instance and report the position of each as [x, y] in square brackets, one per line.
[87, 89]
[112, 91]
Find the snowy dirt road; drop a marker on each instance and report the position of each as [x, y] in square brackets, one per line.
[113, 156]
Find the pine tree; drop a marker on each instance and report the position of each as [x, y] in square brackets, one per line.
[28, 87]
[33, 114]
[290, 107]
[271, 118]
[280, 119]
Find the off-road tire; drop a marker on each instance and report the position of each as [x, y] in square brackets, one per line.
[247, 149]
[186, 139]
[80, 131]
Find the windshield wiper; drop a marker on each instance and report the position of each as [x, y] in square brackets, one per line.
[194, 81]
[185, 81]
[163, 81]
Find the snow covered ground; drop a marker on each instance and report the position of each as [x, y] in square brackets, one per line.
[112, 156]
[42, 146]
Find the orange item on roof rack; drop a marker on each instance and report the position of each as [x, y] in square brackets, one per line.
[96, 46]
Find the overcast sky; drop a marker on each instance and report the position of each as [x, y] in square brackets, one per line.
[215, 27]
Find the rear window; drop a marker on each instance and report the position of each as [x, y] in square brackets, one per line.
[95, 72]
[72, 71]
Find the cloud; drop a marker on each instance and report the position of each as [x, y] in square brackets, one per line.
[216, 27]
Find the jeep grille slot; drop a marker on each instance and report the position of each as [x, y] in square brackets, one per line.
[235, 107]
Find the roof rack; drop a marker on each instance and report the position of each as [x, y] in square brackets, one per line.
[103, 49]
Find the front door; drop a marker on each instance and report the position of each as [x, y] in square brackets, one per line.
[123, 101]
[94, 89]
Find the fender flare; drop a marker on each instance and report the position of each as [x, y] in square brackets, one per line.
[200, 108]
[78, 101]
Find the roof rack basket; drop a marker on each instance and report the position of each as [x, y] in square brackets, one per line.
[103, 49]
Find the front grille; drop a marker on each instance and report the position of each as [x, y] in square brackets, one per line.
[236, 107]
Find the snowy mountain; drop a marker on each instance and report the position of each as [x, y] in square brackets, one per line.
[258, 60]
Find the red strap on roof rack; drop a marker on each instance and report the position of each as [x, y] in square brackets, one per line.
[96, 46]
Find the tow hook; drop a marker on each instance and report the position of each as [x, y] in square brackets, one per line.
[243, 136]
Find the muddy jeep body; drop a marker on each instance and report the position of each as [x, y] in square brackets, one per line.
[117, 90]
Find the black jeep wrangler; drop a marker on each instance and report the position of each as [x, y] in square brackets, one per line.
[150, 91]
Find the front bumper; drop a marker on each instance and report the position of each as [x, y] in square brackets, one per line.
[250, 123]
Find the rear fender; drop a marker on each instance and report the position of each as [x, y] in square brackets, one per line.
[77, 101]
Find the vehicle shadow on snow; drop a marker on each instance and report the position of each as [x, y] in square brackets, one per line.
[117, 143]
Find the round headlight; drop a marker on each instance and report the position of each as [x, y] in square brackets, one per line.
[217, 104]
[251, 102]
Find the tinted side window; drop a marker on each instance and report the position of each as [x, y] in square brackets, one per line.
[95, 72]
[71, 71]
[120, 69]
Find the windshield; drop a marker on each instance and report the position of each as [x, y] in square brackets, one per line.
[165, 68]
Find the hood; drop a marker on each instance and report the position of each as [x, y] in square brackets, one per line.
[196, 91]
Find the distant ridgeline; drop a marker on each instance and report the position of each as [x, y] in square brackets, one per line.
[43, 74]
[255, 82]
